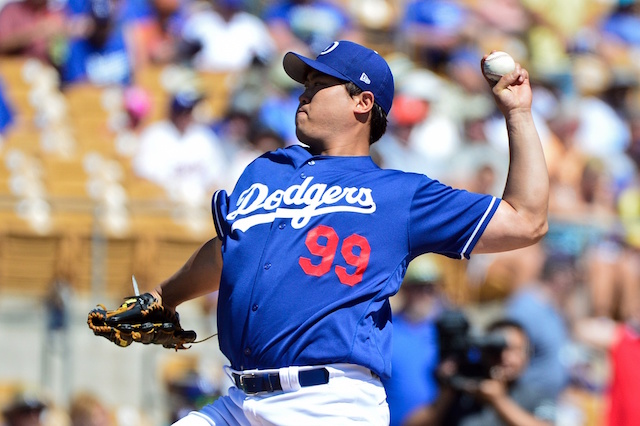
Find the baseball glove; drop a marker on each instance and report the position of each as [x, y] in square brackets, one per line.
[140, 319]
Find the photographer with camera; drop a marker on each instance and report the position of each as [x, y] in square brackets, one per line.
[479, 378]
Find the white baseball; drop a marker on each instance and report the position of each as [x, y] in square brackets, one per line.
[498, 64]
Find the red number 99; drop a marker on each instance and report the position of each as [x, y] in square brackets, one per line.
[323, 241]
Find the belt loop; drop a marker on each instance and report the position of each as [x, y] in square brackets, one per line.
[229, 372]
[289, 378]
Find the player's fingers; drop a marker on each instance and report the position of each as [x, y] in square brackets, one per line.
[518, 76]
[484, 58]
[515, 77]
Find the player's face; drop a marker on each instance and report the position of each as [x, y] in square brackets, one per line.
[324, 110]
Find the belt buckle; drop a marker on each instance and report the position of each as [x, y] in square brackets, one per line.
[244, 385]
[241, 378]
[252, 383]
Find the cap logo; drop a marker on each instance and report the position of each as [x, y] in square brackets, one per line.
[364, 77]
[330, 48]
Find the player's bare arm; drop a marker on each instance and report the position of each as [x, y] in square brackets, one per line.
[521, 218]
[200, 275]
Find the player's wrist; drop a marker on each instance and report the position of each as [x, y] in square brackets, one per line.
[157, 293]
[519, 114]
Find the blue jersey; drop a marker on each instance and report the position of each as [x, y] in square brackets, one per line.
[314, 246]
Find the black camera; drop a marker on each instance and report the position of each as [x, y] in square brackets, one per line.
[474, 355]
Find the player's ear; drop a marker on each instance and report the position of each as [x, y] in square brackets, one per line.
[365, 102]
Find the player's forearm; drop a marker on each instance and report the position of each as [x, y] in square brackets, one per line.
[521, 218]
[527, 186]
[198, 276]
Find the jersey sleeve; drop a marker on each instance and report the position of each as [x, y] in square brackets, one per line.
[448, 221]
[219, 209]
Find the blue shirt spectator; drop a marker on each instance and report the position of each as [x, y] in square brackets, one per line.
[414, 359]
[623, 24]
[316, 23]
[6, 112]
[102, 57]
[433, 29]
[538, 308]
[415, 341]
[129, 10]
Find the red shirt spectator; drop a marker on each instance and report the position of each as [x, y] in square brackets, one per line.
[29, 27]
[623, 408]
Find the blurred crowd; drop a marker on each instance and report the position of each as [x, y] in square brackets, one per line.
[576, 294]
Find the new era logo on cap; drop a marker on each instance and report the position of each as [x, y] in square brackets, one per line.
[347, 61]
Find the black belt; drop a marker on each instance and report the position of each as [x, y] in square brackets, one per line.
[270, 382]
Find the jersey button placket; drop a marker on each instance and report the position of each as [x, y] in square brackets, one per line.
[303, 175]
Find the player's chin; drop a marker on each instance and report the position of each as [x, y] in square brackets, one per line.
[301, 134]
[306, 139]
[300, 118]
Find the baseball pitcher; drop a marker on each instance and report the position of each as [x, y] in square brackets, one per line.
[315, 238]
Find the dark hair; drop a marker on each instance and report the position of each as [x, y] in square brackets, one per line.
[503, 323]
[378, 116]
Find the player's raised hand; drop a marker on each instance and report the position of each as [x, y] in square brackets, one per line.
[512, 91]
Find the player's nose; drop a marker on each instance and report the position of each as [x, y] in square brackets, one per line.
[305, 97]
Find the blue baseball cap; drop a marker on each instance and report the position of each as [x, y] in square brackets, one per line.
[185, 101]
[347, 61]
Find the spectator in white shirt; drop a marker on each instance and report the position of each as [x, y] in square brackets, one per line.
[181, 154]
[231, 38]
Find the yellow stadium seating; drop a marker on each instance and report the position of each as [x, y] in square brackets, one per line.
[72, 243]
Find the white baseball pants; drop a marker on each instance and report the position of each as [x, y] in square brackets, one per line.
[352, 396]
